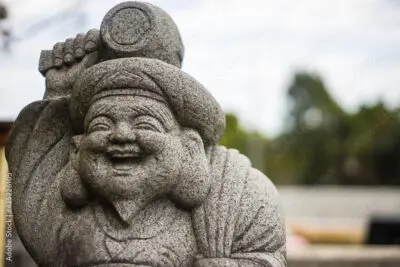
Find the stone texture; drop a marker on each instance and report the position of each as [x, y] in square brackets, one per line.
[119, 164]
[137, 29]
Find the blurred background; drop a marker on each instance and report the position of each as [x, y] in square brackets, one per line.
[311, 91]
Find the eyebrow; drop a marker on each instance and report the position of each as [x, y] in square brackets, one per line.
[166, 118]
[100, 110]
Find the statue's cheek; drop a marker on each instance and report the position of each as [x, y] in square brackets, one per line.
[152, 142]
[92, 157]
[95, 142]
[165, 153]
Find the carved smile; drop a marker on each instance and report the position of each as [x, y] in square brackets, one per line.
[113, 264]
[124, 161]
[117, 265]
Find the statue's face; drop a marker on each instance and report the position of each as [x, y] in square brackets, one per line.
[131, 149]
[134, 160]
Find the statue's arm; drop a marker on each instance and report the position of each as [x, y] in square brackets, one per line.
[22, 129]
[38, 149]
[36, 131]
[37, 121]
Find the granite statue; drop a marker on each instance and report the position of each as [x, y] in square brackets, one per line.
[119, 163]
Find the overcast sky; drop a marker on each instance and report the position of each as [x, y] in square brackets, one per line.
[244, 52]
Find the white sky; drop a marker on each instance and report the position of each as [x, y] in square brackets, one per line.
[244, 52]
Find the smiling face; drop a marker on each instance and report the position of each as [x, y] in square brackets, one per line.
[131, 149]
[139, 173]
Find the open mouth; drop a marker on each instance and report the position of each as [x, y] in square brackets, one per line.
[124, 161]
[122, 264]
[118, 265]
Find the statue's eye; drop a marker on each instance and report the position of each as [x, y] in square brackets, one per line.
[99, 124]
[146, 126]
[148, 123]
[99, 127]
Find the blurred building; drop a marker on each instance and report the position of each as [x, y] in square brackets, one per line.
[4, 129]
[19, 256]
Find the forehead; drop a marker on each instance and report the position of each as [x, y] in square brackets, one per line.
[118, 106]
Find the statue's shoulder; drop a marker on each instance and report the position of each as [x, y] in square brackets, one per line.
[223, 154]
[36, 126]
[229, 164]
[243, 206]
[23, 127]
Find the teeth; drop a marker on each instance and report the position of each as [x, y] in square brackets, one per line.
[124, 155]
[123, 162]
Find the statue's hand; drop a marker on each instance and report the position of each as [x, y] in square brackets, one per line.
[70, 58]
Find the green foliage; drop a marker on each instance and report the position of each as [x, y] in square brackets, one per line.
[323, 144]
[252, 144]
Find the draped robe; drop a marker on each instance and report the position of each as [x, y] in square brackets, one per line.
[239, 223]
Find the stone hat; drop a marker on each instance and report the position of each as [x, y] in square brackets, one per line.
[192, 105]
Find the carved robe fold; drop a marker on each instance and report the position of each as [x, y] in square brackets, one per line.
[240, 219]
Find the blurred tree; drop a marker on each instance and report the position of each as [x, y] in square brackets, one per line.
[373, 146]
[4, 32]
[322, 144]
[252, 144]
[318, 127]
[74, 15]
[311, 102]
[3, 11]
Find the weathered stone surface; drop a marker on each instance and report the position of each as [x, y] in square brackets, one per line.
[119, 164]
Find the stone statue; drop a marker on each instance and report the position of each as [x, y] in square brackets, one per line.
[119, 164]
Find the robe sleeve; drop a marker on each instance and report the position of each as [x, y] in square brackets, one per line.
[37, 149]
[240, 222]
[260, 235]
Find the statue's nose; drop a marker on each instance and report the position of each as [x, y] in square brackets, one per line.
[123, 133]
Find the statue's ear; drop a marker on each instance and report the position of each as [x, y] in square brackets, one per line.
[74, 155]
[72, 189]
[194, 179]
[193, 142]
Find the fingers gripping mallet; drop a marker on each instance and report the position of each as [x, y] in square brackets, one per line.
[130, 29]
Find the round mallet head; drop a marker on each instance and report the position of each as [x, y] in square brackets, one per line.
[137, 29]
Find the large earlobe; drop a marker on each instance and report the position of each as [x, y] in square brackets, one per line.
[192, 141]
[194, 181]
[72, 190]
[74, 154]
